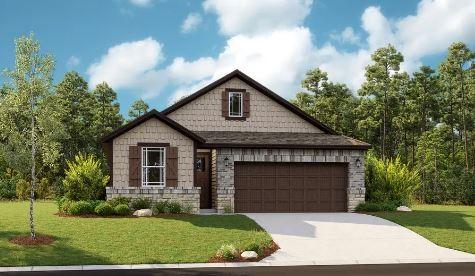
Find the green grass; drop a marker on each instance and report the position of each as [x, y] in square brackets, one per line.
[174, 239]
[447, 226]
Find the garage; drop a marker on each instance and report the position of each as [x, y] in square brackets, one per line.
[276, 187]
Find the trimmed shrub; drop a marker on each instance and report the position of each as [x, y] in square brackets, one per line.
[390, 181]
[174, 207]
[376, 207]
[141, 203]
[84, 179]
[187, 208]
[104, 209]
[161, 207]
[119, 200]
[63, 204]
[80, 208]
[122, 210]
[95, 203]
[8, 188]
[227, 252]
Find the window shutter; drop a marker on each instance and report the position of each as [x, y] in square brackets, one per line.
[172, 167]
[225, 104]
[134, 166]
[247, 104]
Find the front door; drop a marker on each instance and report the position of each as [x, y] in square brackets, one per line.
[203, 178]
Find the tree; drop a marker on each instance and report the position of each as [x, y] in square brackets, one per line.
[137, 109]
[105, 111]
[28, 109]
[380, 87]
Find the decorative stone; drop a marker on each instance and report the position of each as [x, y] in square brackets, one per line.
[403, 209]
[249, 255]
[143, 213]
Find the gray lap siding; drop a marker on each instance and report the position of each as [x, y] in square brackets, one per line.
[224, 197]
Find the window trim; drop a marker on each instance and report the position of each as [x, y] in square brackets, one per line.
[143, 167]
[241, 104]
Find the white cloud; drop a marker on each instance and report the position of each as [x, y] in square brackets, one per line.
[378, 28]
[73, 61]
[191, 22]
[141, 3]
[252, 17]
[348, 35]
[129, 65]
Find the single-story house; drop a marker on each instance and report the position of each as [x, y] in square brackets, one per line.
[236, 146]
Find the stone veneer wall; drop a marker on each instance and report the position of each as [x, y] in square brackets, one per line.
[186, 196]
[225, 175]
[266, 115]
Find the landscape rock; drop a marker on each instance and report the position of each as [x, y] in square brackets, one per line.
[143, 213]
[249, 255]
[403, 209]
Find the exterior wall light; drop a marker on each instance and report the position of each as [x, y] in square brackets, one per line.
[358, 162]
[226, 161]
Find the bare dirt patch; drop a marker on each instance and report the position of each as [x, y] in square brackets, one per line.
[29, 241]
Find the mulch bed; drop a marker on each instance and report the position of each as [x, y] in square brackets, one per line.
[237, 259]
[29, 241]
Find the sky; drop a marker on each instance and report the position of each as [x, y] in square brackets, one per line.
[162, 50]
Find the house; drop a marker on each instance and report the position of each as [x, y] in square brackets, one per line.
[236, 146]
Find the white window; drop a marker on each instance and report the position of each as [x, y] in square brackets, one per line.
[235, 104]
[153, 166]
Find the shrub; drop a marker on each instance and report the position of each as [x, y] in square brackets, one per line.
[254, 246]
[104, 209]
[95, 203]
[84, 178]
[44, 189]
[22, 189]
[119, 200]
[8, 188]
[63, 204]
[141, 203]
[122, 210]
[161, 207]
[227, 209]
[390, 181]
[227, 252]
[187, 208]
[174, 207]
[80, 208]
[376, 206]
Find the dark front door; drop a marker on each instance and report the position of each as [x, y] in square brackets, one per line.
[290, 187]
[202, 164]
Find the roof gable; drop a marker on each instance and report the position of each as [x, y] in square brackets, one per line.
[259, 87]
[149, 115]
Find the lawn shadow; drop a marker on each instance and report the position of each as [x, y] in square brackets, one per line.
[58, 253]
[432, 219]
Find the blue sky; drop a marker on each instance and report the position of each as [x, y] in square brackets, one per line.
[162, 50]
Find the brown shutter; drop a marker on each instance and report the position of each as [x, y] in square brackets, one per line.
[172, 167]
[134, 166]
[247, 104]
[225, 104]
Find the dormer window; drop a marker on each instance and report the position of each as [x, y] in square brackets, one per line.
[235, 104]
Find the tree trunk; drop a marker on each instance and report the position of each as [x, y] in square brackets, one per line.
[33, 173]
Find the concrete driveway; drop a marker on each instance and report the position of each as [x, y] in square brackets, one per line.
[348, 238]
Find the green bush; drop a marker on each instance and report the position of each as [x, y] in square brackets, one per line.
[63, 204]
[122, 210]
[119, 200]
[44, 190]
[376, 206]
[22, 189]
[104, 209]
[95, 203]
[187, 208]
[254, 246]
[161, 207]
[141, 203]
[80, 208]
[390, 181]
[227, 252]
[84, 178]
[8, 188]
[174, 207]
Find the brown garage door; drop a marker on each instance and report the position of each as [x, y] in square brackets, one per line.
[290, 187]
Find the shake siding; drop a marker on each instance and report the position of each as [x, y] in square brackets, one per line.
[266, 115]
[152, 131]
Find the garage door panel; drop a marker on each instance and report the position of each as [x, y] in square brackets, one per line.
[290, 187]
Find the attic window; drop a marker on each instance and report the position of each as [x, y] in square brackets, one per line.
[235, 104]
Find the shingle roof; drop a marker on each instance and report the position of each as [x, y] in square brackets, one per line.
[279, 140]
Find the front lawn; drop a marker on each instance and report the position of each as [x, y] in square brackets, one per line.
[448, 226]
[173, 239]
